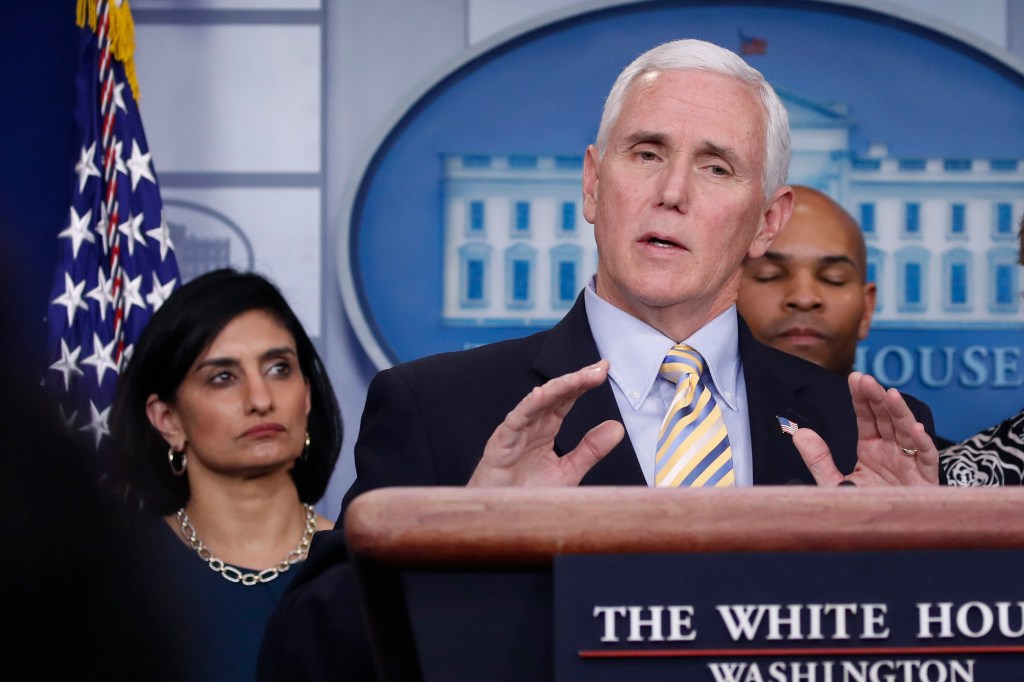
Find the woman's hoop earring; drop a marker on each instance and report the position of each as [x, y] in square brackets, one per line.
[180, 469]
[305, 450]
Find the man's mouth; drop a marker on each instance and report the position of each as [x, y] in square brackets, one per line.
[802, 336]
[662, 242]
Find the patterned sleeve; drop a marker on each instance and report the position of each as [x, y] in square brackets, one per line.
[994, 457]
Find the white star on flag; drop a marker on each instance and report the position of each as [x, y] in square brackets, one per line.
[67, 420]
[133, 295]
[102, 225]
[68, 363]
[160, 292]
[98, 424]
[86, 166]
[102, 357]
[139, 166]
[162, 235]
[72, 298]
[103, 294]
[127, 356]
[119, 158]
[130, 229]
[78, 230]
[119, 97]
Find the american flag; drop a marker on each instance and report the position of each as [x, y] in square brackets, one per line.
[752, 44]
[787, 426]
[116, 264]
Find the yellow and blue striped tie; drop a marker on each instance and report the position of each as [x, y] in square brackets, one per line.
[693, 446]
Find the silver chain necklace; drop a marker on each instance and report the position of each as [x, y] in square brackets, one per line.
[231, 573]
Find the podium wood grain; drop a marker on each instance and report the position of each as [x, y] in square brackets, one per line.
[527, 527]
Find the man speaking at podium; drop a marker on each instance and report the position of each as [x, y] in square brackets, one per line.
[652, 378]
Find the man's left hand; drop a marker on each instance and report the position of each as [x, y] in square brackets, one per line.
[893, 448]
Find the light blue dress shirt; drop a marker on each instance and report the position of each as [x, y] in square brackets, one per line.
[636, 350]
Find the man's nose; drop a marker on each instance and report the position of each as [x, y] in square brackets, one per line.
[804, 292]
[675, 186]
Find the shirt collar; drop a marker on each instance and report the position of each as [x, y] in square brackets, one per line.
[718, 344]
[636, 350]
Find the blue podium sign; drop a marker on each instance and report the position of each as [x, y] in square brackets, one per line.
[893, 616]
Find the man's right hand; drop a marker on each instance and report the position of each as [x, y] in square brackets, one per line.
[520, 452]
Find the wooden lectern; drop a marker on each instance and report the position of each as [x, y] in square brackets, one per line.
[456, 582]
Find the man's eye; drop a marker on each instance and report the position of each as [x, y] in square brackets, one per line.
[719, 170]
[766, 273]
[648, 156]
[836, 278]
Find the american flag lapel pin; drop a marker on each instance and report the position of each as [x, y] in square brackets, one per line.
[787, 426]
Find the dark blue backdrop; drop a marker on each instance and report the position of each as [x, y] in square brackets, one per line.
[39, 40]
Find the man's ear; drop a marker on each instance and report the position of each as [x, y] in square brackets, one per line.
[870, 296]
[591, 163]
[776, 215]
[164, 419]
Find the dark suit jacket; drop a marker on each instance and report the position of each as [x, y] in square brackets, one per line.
[426, 423]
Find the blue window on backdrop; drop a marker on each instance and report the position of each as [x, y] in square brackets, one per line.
[474, 264]
[568, 216]
[520, 280]
[1004, 219]
[1003, 281]
[476, 161]
[958, 283]
[474, 280]
[520, 264]
[867, 218]
[522, 216]
[1005, 284]
[913, 218]
[566, 281]
[569, 162]
[876, 273]
[958, 219]
[476, 216]
[912, 283]
[566, 262]
[522, 161]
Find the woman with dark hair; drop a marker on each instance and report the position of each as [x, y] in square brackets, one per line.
[229, 431]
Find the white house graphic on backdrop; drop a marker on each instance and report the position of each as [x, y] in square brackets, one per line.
[941, 232]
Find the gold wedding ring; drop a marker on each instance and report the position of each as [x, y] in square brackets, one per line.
[909, 452]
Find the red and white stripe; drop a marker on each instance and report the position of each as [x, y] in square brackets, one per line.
[108, 144]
